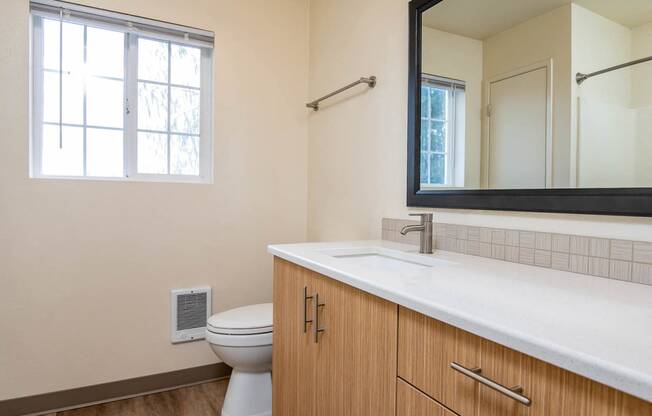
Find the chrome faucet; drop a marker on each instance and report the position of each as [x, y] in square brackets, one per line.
[425, 228]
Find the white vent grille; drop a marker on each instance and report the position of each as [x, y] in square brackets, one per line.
[191, 308]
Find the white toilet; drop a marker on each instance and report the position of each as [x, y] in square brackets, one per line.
[242, 338]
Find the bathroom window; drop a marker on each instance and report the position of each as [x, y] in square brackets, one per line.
[119, 97]
[442, 116]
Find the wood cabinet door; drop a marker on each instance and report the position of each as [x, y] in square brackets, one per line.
[411, 402]
[356, 352]
[294, 375]
[506, 367]
[426, 349]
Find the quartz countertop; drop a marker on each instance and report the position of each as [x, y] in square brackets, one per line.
[598, 328]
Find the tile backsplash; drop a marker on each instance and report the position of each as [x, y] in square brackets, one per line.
[614, 259]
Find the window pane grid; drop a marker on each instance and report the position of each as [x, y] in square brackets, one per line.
[440, 123]
[55, 71]
[90, 126]
[89, 113]
[434, 105]
[84, 112]
[181, 125]
[169, 118]
[169, 84]
[173, 133]
[72, 109]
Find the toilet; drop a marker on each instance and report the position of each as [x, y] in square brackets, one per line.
[242, 338]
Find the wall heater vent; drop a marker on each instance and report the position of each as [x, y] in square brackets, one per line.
[191, 308]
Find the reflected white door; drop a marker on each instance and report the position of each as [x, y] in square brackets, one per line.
[517, 131]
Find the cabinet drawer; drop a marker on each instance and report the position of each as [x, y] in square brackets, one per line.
[426, 348]
[411, 402]
[552, 390]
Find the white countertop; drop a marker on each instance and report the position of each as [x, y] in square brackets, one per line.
[598, 328]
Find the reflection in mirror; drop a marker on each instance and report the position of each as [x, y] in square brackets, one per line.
[501, 107]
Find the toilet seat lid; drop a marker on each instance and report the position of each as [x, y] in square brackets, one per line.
[246, 320]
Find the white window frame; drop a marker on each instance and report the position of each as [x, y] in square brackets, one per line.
[451, 86]
[130, 107]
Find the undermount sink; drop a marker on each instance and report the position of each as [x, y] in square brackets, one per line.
[382, 258]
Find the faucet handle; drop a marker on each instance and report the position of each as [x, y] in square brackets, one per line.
[425, 217]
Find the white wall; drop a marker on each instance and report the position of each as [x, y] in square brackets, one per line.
[86, 266]
[643, 146]
[358, 146]
[536, 40]
[453, 56]
[598, 43]
[641, 75]
[607, 135]
[607, 145]
[642, 102]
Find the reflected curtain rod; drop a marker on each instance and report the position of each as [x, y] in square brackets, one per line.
[580, 77]
[371, 81]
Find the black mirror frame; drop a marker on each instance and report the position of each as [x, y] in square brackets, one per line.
[600, 201]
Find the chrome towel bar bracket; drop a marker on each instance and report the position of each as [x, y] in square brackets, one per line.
[371, 82]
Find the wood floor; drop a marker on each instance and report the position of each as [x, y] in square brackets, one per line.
[200, 400]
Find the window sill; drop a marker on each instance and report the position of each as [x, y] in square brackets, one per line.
[439, 187]
[132, 179]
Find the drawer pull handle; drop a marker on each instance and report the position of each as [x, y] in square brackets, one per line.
[475, 374]
[316, 329]
[306, 321]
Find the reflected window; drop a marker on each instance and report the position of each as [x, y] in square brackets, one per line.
[442, 111]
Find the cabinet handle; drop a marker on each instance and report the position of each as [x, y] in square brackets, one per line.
[315, 328]
[306, 321]
[513, 393]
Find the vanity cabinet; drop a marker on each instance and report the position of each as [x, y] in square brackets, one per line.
[348, 367]
[341, 351]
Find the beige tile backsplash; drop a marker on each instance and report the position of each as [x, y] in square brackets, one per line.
[614, 259]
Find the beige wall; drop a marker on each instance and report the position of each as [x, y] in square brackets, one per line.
[357, 152]
[86, 266]
[458, 57]
[358, 140]
[541, 38]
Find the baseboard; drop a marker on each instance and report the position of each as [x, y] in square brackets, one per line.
[66, 399]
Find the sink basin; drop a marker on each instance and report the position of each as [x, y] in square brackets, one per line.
[383, 258]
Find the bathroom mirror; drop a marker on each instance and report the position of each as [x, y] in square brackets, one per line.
[531, 105]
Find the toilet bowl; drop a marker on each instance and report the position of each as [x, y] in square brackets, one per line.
[242, 338]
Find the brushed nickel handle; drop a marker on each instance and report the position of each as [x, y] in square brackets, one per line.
[514, 393]
[306, 321]
[315, 328]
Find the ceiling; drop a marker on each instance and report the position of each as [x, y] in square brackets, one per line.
[482, 19]
[635, 12]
